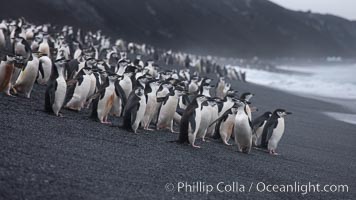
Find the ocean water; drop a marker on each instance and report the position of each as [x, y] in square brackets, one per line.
[335, 84]
[330, 81]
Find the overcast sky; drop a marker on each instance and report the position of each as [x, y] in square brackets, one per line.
[343, 8]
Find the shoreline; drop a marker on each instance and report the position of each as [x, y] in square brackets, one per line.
[79, 158]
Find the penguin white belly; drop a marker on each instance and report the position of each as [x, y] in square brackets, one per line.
[243, 132]
[257, 136]
[150, 109]
[214, 114]
[121, 71]
[77, 53]
[92, 88]
[2, 39]
[204, 122]
[80, 94]
[140, 113]
[226, 106]
[59, 95]
[47, 70]
[27, 78]
[167, 111]
[248, 110]
[126, 85]
[105, 104]
[226, 128]
[192, 134]
[276, 135]
[116, 108]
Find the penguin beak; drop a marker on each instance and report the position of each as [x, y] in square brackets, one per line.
[288, 113]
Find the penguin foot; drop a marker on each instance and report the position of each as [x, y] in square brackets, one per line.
[195, 146]
[14, 90]
[9, 94]
[106, 122]
[228, 144]
[149, 129]
[272, 152]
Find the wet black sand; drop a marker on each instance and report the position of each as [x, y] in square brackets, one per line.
[46, 157]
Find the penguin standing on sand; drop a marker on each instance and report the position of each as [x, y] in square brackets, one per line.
[46, 64]
[225, 125]
[6, 69]
[168, 109]
[246, 97]
[134, 109]
[190, 121]
[257, 127]
[56, 89]
[119, 99]
[102, 104]
[242, 128]
[23, 53]
[205, 118]
[274, 130]
[151, 97]
[28, 76]
[214, 114]
[78, 92]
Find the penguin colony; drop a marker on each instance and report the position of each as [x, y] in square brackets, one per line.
[123, 80]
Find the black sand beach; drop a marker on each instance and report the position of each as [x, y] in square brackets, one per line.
[46, 157]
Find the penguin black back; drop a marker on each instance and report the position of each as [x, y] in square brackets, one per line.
[268, 129]
[186, 118]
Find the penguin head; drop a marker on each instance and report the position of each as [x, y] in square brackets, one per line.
[201, 98]
[247, 96]
[19, 61]
[87, 70]
[207, 87]
[180, 91]
[239, 103]
[143, 80]
[123, 55]
[281, 112]
[113, 77]
[90, 62]
[10, 58]
[267, 114]
[211, 102]
[234, 109]
[154, 83]
[231, 93]
[139, 91]
[61, 61]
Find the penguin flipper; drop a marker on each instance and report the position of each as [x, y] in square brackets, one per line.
[267, 133]
[50, 96]
[134, 113]
[162, 99]
[120, 93]
[40, 69]
[223, 116]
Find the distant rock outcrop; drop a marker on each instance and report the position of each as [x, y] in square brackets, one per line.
[236, 28]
